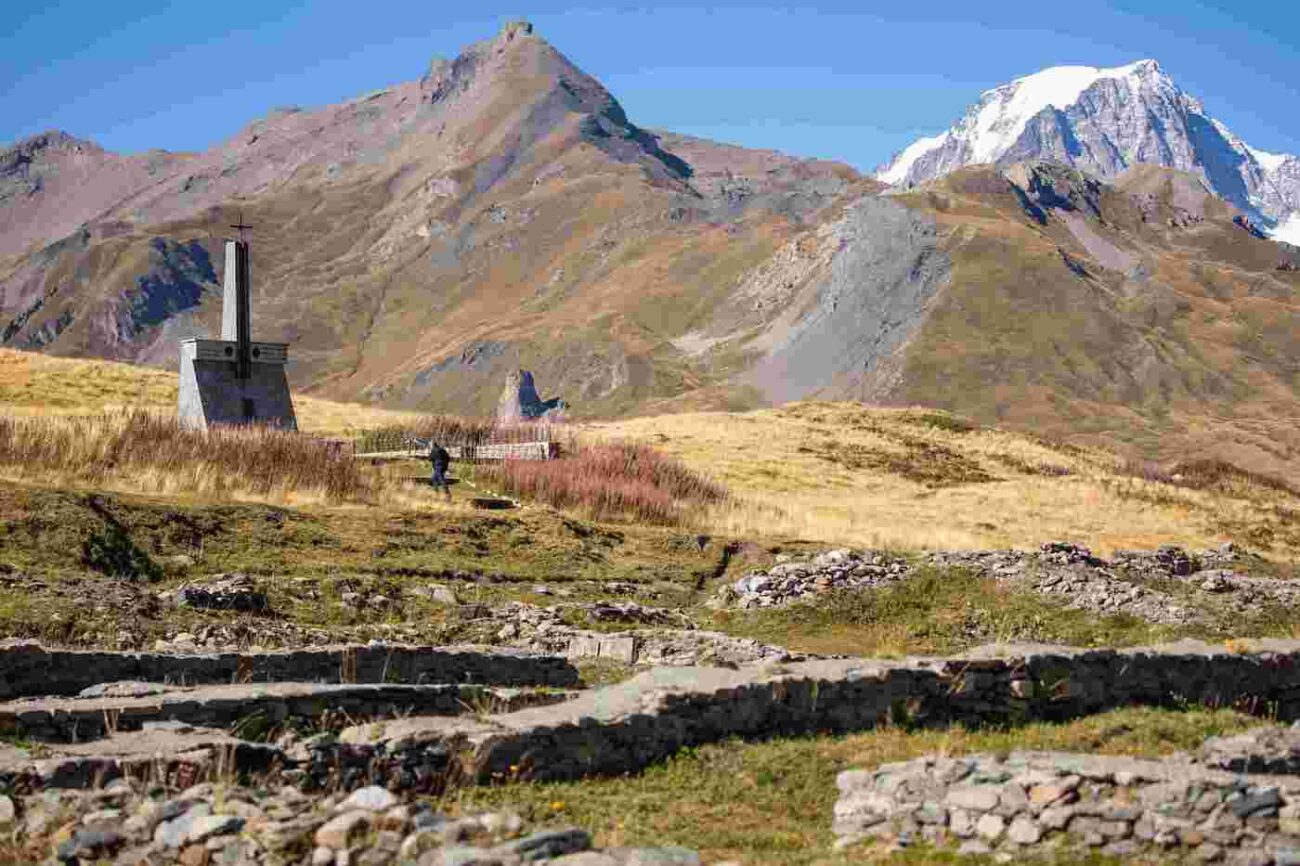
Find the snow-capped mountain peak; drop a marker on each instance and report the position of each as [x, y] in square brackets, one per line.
[1005, 111]
[1103, 120]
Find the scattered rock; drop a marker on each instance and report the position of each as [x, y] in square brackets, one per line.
[371, 799]
[223, 592]
[1059, 569]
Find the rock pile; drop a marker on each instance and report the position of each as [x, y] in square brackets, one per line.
[659, 636]
[795, 579]
[1122, 807]
[127, 823]
[223, 592]
[1058, 569]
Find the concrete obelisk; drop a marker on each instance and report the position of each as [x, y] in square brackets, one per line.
[235, 380]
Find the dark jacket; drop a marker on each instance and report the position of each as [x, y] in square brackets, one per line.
[439, 457]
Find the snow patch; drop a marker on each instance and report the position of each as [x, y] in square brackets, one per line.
[1270, 162]
[1288, 231]
[897, 170]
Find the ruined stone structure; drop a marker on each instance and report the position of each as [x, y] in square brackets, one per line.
[235, 380]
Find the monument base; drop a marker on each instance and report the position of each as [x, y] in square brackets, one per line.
[211, 391]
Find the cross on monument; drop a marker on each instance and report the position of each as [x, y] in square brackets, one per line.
[241, 226]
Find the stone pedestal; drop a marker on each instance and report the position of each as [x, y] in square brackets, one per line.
[212, 393]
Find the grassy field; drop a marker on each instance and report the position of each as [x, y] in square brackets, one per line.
[842, 473]
[32, 384]
[88, 558]
[823, 472]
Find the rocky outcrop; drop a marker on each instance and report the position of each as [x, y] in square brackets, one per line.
[226, 823]
[1127, 584]
[521, 402]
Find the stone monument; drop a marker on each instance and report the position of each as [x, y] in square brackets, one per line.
[235, 380]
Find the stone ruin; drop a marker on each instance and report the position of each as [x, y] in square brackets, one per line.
[235, 380]
[322, 755]
[319, 755]
[521, 402]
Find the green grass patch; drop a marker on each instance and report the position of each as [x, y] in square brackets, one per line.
[770, 802]
[937, 610]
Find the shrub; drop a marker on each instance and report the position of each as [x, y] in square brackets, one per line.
[621, 481]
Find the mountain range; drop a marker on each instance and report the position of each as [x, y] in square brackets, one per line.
[1104, 121]
[501, 211]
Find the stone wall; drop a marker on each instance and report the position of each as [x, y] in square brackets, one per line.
[29, 669]
[1122, 807]
[78, 720]
[623, 728]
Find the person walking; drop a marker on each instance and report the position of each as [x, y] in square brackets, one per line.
[441, 461]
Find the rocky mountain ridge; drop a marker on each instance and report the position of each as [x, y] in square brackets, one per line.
[501, 212]
[1103, 121]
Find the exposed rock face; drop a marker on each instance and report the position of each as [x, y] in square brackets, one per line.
[521, 402]
[1104, 121]
[885, 269]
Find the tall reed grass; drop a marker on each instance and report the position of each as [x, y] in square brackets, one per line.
[451, 430]
[255, 460]
[611, 482]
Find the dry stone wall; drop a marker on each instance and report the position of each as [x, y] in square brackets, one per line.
[1122, 807]
[623, 728]
[72, 720]
[30, 669]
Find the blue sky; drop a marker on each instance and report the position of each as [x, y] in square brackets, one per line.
[852, 81]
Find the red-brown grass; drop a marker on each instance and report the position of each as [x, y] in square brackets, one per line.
[611, 482]
[1205, 474]
[257, 460]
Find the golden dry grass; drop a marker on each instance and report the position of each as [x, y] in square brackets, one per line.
[835, 473]
[915, 479]
[32, 384]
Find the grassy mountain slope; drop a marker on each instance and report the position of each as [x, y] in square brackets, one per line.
[1138, 314]
[415, 244]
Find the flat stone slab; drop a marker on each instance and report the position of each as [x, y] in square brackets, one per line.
[1123, 807]
[1264, 750]
[30, 669]
[83, 718]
